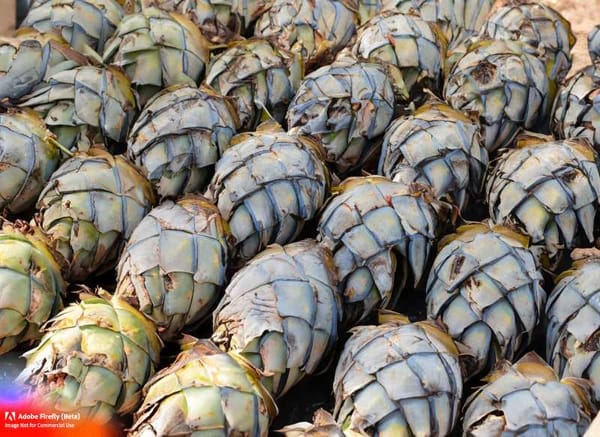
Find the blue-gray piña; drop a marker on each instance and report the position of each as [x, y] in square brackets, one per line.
[398, 379]
[173, 268]
[347, 106]
[90, 207]
[381, 233]
[577, 108]
[550, 190]
[594, 44]
[527, 398]
[458, 20]
[28, 157]
[260, 77]
[83, 24]
[281, 311]
[314, 30]
[86, 105]
[30, 58]
[573, 318]
[468, 290]
[157, 49]
[414, 48]
[442, 147]
[179, 136]
[505, 85]
[266, 186]
[538, 25]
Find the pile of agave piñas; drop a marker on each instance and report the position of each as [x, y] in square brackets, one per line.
[407, 188]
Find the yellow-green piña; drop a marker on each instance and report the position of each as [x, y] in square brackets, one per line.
[205, 392]
[95, 357]
[173, 267]
[90, 207]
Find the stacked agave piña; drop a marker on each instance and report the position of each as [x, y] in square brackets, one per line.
[548, 189]
[86, 105]
[281, 312]
[314, 30]
[442, 148]
[457, 19]
[594, 44]
[576, 111]
[333, 93]
[205, 391]
[95, 357]
[29, 59]
[267, 185]
[84, 24]
[157, 49]
[260, 78]
[179, 136]
[398, 379]
[90, 207]
[528, 398]
[173, 267]
[505, 85]
[347, 106]
[220, 21]
[32, 284]
[28, 157]
[573, 320]
[413, 47]
[470, 293]
[381, 233]
[539, 26]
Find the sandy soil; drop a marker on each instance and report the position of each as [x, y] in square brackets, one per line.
[583, 15]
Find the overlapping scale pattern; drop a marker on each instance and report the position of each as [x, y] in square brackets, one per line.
[550, 190]
[29, 59]
[281, 311]
[157, 49]
[179, 136]
[173, 268]
[398, 379]
[260, 78]
[528, 399]
[347, 106]
[267, 186]
[573, 318]
[82, 23]
[381, 233]
[539, 26]
[94, 359]
[86, 105]
[315, 30]
[416, 49]
[503, 84]
[205, 391]
[28, 157]
[32, 285]
[470, 291]
[90, 207]
[577, 108]
[442, 146]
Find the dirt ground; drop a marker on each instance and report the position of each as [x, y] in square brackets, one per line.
[583, 15]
